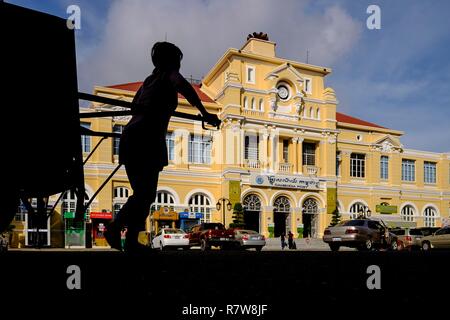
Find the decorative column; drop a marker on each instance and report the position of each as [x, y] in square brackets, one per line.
[241, 143]
[265, 152]
[184, 150]
[274, 150]
[295, 220]
[236, 146]
[300, 155]
[294, 143]
[267, 223]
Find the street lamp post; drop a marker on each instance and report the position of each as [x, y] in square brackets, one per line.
[221, 204]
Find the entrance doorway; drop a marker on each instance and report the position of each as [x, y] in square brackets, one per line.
[252, 212]
[310, 212]
[281, 214]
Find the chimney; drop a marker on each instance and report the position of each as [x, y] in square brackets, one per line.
[258, 43]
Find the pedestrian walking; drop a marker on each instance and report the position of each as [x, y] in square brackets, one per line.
[123, 238]
[291, 242]
[283, 241]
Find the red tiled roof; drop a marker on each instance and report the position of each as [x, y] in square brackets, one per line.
[340, 117]
[134, 86]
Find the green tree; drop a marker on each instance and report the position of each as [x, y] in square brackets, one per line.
[336, 218]
[238, 216]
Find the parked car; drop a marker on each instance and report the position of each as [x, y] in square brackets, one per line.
[207, 235]
[170, 238]
[427, 231]
[363, 234]
[408, 238]
[246, 239]
[439, 240]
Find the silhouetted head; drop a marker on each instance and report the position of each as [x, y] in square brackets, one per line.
[166, 56]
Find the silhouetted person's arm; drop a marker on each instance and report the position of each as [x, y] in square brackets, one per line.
[185, 88]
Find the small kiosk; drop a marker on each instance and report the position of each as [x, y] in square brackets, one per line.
[189, 219]
[163, 218]
[99, 222]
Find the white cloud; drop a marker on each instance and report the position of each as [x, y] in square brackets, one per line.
[204, 30]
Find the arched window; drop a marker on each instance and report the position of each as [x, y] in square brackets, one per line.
[357, 208]
[245, 103]
[318, 113]
[121, 195]
[430, 215]
[252, 203]
[261, 105]
[253, 104]
[201, 203]
[282, 204]
[69, 202]
[163, 199]
[310, 206]
[408, 213]
[311, 112]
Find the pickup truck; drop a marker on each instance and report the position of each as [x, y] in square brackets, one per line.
[207, 235]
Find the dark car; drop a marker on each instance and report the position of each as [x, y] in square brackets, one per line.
[363, 234]
[409, 238]
[207, 235]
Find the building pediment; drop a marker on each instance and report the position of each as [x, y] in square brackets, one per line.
[388, 144]
[285, 67]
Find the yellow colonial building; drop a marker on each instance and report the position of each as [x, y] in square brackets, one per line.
[283, 151]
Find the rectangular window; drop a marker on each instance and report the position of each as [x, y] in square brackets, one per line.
[309, 154]
[86, 140]
[117, 128]
[251, 150]
[250, 74]
[429, 172]
[357, 165]
[286, 151]
[199, 149]
[170, 142]
[408, 170]
[308, 85]
[384, 167]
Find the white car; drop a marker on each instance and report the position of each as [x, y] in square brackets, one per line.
[171, 238]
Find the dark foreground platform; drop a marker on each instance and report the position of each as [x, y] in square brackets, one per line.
[166, 283]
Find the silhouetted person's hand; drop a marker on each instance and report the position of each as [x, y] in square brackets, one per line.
[211, 119]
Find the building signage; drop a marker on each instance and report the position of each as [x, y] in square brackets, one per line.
[165, 213]
[386, 209]
[101, 215]
[191, 215]
[235, 191]
[331, 200]
[284, 181]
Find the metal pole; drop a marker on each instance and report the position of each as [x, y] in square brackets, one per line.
[223, 210]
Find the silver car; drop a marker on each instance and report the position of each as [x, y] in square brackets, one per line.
[439, 240]
[363, 234]
[246, 239]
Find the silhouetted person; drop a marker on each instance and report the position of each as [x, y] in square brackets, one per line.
[290, 240]
[142, 147]
[283, 240]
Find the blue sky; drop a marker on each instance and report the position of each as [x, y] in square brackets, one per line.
[398, 76]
